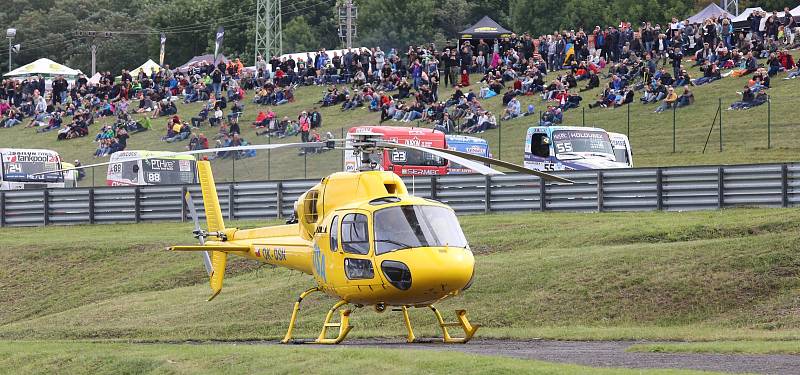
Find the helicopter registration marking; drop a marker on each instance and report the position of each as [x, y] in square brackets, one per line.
[276, 254]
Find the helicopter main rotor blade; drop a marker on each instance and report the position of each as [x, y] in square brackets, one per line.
[196, 152]
[469, 161]
[477, 167]
[193, 213]
[511, 166]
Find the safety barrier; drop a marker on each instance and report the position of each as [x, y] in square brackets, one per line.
[638, 189]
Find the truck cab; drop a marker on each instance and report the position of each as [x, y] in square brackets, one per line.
[30, 169]
[470, 145]
[162, 168]
[558, 148]
[403, 162]
[622, 148]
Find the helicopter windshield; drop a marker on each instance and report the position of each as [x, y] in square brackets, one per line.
[403, 227]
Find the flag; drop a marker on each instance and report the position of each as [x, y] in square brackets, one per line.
[570, 52]
[220, 35]
[161, 55]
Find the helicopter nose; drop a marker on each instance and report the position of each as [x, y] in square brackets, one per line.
[430, 271]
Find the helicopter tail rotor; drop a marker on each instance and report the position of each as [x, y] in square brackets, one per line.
[199, 233]
[216, 229]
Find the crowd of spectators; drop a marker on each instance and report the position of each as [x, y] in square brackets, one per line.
[651, 60]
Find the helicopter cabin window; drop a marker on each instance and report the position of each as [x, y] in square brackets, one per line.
[355, 234]
[540, 145]
[335, 233]
[310, 207]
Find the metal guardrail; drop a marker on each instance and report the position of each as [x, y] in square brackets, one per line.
[637, 189]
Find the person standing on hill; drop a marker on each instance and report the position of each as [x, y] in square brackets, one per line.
[305, 126]
[315, 119]
[216, 82]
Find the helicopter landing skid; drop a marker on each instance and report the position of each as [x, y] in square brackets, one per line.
[344, 325]
[469, 329]
[288, 337]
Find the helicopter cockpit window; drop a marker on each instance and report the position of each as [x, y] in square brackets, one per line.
[403, 227]
[355, 234]
[335, 234]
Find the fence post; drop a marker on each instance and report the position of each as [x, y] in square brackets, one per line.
[46, 206]
[434, 182]
[542, 194]
[629, 121]
[341, 165]
[499, 138]
[769, 122]
[279, 200]
[183, 203]
[93, 176]
[720, 187]
[600, 191]
[659, 189]
[674, 114]
[784, 185]
[234, 166]
[137, 205]
[583, 114]
[720, 124]
[91, 205]
[487, 195]
[269, 156]
[2, 209]
[231, 202]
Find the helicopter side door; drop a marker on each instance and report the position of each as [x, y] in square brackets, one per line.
[350, 269]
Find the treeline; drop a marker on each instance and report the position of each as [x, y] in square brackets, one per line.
[49, 28]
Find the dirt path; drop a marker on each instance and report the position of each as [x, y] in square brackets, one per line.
[601, 354]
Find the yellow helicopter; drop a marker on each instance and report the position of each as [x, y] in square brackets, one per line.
[365, 240]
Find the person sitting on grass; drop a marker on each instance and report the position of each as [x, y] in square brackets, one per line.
[687, 98]
[182, 133]
[711, 73]
[669, 100]
[749, 99]
[512, 110]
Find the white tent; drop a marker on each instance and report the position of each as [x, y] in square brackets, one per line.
[743, 16]
[148, 67]
[711, 11]
[95, 80]
[43, 67]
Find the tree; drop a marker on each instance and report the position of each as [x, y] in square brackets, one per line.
[298, 36]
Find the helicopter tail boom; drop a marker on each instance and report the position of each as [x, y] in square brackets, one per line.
[215, 224]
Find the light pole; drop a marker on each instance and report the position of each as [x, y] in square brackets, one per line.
[10, 34]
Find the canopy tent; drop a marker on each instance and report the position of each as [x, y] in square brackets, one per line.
[486, 28]
[711, 11]
[95, 80]
[794, 12]
[740, 22]
[743, 16]
[208, 59]
[148, 67]
[43, 67]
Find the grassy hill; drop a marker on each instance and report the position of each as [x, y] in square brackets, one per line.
[729, 274]
[744, 132]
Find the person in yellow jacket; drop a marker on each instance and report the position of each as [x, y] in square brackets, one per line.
[669, 100]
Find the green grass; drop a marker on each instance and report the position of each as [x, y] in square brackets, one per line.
[107, 358]
[744, 132]
[717, 275]
[727, 347]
